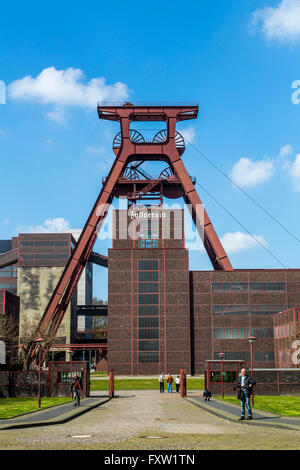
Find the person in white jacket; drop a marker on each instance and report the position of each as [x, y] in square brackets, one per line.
[161, 383]
[177, 383]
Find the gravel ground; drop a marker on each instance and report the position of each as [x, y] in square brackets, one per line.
[148, 420]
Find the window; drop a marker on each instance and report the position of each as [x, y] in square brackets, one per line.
[148, 265]
[152, 356]
[244, 287]
[148, 287]
[267, 309]
[148, 244]
[267, 286]
[149, 345]
[148, 276]
[230, 286]
[148, 322]
[45, 243]
[148, 299]
[264, 356]
[148, 310]
[234, 355]
[231, 333]
[262, 332]
[148, 333]
[230, 309]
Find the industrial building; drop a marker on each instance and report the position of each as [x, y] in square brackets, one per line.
[160, 315]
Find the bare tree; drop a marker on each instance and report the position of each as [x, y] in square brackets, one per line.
[27, 342]
[9, 335]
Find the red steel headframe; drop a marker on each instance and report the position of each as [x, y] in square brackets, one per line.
[128, 152]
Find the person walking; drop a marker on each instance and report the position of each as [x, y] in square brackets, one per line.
[170, 381]
[177, 384]
[161, 383]
[76, 388]
[245, 389]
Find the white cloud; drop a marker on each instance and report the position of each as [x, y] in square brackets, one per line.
[247, 172]
[293, 169]
[285, 151]
[58, 114]
[56, 225]
[63, 88]
[239, 241]
[188, 134]
[282, 22]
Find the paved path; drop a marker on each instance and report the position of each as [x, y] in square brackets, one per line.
[233, 412]
[53, 415]
[147, 419]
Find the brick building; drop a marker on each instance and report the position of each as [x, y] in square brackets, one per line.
[161, 316]
[287, 338]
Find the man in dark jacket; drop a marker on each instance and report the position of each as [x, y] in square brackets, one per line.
[245, 388]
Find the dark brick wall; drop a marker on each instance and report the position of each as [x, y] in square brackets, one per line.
[174, 322]
[203, 320]
[123, 307]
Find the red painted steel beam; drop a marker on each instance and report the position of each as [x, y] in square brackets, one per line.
[129, 151]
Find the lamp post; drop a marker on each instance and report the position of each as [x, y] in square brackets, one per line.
[221, 355]
[39, 341]
[71, 352]
[251, 340]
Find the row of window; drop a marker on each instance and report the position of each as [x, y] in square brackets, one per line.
[259, 356]
[242, 333]
[148, 310]
[148, 333]
[7, 273]
[148, 299]
[148, 276]
[148, 322]
[44, 256]
[148, 356]
[148, 244]
[245, 310]
[148, 287]
[246, 287]
[148, 265]
[8, 286]
[44, 243]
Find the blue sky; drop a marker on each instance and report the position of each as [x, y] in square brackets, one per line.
[237, 60]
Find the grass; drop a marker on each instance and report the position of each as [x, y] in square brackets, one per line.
[281, 405]
[11, 407]
[98, 374]
[142, 384]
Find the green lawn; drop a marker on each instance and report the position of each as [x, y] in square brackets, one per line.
[142, 384]
[98, 374]
[285, 406]
[10, 407]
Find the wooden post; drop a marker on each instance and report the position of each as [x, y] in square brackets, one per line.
[183, 383]
[112, 383]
